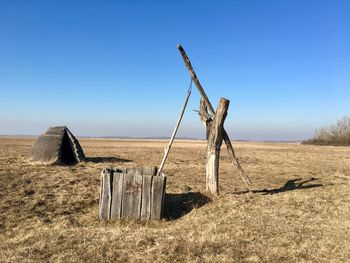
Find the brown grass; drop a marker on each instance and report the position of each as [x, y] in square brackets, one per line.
[49, 213]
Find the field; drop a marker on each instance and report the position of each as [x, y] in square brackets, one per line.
[299, 210]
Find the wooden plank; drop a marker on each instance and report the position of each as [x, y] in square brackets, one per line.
[101, 194]
[116, 204]
[127, 196]
[146, 197]
[140, 170]
[131, 202]
[137, 196]
[163, 195]
[105, 195]
[152, 170]
[158, 186]
[133, 170]
[149, 170]
[124, 195]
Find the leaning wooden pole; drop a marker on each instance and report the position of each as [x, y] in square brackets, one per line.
[226, 138]
[167, 150]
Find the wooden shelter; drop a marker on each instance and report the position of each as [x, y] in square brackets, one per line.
[57, 146]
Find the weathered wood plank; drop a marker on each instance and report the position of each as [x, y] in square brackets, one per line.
[134, 170]
[137, 196]
[163, 196]
[149, 170]
[105, 195]
[131, 202]
[152, 170]
[116, 202]
[158, 187]
[146, 197]
[101, 195]
[124, 195]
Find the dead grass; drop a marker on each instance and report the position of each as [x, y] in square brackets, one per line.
[49, 213]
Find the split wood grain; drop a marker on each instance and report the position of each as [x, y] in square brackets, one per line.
[152, 170]
[158, 186]
[131, 200]
[117, 194]
[124, 195]
[146, 197]
[105, 195]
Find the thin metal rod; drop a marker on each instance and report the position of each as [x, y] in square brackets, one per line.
[174, 132]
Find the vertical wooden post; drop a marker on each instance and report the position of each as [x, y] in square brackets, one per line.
[207, 103]
[215, 131]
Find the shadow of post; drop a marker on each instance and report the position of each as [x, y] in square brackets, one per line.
[178, 205]
[290, 185]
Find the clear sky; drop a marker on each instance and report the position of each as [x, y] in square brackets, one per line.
[111, 68]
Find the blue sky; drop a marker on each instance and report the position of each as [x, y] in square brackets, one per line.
[111, 68]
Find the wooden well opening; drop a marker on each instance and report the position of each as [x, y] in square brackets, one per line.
[136, 193]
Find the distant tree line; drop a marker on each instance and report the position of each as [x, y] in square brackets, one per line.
[336, 134]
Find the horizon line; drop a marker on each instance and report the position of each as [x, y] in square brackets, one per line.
[148, 138]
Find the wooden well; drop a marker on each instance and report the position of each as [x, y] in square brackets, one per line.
[136, 193]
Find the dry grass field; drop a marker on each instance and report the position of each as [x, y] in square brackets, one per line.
[299, 210]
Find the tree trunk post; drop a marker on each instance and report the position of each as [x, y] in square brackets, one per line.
[215, 131]
[208, 105]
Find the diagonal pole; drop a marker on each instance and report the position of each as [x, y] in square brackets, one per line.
[167, 150]
[227, 141]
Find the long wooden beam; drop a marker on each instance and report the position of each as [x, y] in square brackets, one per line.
[196, 80]
[167, 150]
[227, 140]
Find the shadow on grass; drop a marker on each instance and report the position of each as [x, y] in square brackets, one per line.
[106, 160]
[178, 205]
[290, 185]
